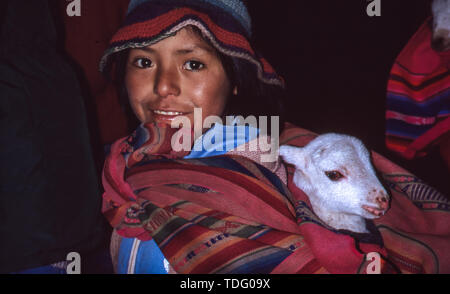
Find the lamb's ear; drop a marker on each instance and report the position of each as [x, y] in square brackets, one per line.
[293, 155]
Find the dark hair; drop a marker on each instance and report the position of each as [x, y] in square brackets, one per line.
[254, 97]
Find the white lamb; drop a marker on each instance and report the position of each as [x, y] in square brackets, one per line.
[336, 173]
[441, 25]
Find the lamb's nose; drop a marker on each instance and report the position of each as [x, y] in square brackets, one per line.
[382, 202]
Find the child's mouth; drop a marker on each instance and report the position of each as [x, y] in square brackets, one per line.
[166, 116]
[168, 113]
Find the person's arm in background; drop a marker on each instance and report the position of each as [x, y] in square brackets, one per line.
[49, 193]
[86, 38]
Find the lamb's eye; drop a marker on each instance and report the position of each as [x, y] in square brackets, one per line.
[334, 175]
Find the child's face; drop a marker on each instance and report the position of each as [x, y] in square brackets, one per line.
[176, 75]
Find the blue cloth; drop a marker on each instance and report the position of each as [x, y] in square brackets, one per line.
[221, 139]
[138, 257]
[145, 257]
[43, 270]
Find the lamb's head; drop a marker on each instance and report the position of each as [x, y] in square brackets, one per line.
[441, 25]
[336, 173]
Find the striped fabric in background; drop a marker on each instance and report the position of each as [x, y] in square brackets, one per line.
[418, 97]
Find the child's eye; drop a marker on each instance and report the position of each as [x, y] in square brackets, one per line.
[193, 65]
[143, 62]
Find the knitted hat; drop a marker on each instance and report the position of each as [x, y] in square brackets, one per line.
[225, 23]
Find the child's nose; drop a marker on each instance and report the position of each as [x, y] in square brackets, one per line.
[167, 83]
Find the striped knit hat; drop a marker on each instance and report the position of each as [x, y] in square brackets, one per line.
[225, 23]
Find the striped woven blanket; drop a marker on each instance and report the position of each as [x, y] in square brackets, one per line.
[232, 214]
[418, 97]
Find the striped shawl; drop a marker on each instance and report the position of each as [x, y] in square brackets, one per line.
[231, 214]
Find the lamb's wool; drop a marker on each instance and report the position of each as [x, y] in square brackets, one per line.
[341, 202]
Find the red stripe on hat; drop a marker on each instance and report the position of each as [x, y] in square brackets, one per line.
[266, 66]
[155, 26]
